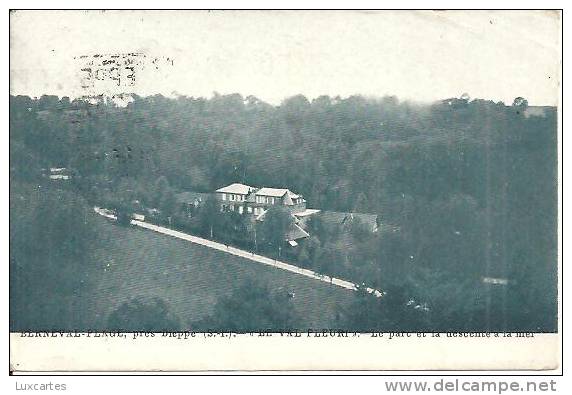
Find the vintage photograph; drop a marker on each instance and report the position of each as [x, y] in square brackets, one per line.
[270, 171]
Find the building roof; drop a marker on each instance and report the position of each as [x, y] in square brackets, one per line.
[367, 219]
[237, 188]
[242, 189]
[340, 218]
[288, 199]
[296, 233]
[305, 213]
[273, 192]
[390, 228]
[279, 192]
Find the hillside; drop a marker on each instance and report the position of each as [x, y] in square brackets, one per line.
[467, 185]
[117, 264]
[191, 278]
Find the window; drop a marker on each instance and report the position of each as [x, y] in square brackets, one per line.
[224, 196]
[240, 209]
[232, 207]
[249, 210]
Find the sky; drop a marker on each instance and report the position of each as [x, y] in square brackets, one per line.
[415, 55]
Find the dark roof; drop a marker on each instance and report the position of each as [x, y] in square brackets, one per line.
[296, 233]
[341, 218]
[390, 228]
[342, 221]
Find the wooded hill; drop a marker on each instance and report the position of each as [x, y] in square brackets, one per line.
[469, 184]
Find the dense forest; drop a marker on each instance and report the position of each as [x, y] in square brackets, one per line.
[468, 187]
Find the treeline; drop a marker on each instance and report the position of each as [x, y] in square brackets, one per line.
[51, 267]
[468, 187]
[352, 154]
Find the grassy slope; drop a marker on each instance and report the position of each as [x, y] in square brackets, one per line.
[191, 277]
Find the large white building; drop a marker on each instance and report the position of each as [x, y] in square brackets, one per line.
[249, 200]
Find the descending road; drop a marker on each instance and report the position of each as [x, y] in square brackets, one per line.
[241, 253]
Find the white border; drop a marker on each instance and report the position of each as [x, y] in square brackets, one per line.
[279, 385]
